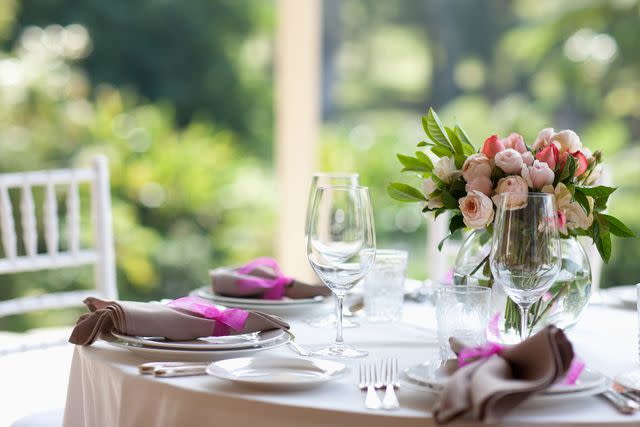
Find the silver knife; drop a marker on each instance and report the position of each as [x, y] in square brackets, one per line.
[180, 371]
[623, 404]
[149, 367]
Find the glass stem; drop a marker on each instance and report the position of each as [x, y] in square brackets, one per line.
[339, 302]
[524, 318]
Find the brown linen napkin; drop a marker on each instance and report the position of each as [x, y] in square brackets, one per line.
[152, 319]
[488, 388]
[229, 282]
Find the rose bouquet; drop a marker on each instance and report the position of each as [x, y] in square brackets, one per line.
[459, 179]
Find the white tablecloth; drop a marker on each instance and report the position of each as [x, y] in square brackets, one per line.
[105, 388]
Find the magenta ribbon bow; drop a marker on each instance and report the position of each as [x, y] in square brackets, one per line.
[470, 354]
[231, 318]
[275, 288]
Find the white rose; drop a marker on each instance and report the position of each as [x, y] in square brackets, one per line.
[509, 161]
[429, 186]
[477, 209]
[476, 165]
[542, 140]
[445, 169]
[566, 141]
[574, 214]
[435, 202]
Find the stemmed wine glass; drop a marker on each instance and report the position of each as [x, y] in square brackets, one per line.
[341, 248]
[349, 179]
[525, 252]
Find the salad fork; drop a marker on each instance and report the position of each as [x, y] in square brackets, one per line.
[389, 373]
[366, 381]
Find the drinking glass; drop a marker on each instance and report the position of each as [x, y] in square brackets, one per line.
[462, 311]
[349, 179]
[525, 252]
[341, 248]
[384, 286]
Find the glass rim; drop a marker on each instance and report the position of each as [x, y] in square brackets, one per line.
[473, 289]
[337, 174]
[342, 187]
[392, 252]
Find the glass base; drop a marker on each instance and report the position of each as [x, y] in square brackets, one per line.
[341, 352]
[330, 322]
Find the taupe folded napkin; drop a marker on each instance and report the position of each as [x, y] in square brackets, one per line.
[173, 323]
[488, 388]
[261, 278]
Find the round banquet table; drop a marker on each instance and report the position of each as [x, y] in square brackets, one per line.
[105, 388]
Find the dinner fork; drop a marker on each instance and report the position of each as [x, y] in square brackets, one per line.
[294, 345]
[366, 381]
[389, 373]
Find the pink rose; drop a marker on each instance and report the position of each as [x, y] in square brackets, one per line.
[476, 209]
[583, 163]
[549, 155]
[543, 138]
[512, 184]
[566, 141]
[538, 175]
[476, 165]
[527, 158]
[492, 146]
[482, 184]
[509, 161]
[514, 141]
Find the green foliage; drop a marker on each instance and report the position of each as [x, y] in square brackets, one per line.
[405, 193]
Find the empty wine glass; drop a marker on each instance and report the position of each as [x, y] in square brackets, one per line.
[341, 248]
[349, 179]
[525, 252]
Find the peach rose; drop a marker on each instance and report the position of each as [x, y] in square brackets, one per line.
[476, 165]
[566, 141]
[509, 161]
[492, 146]
[514, 141]
[477, 209]
[527, 158]
[512, 184]
[538, 175]
[543, 138]
[482, 184]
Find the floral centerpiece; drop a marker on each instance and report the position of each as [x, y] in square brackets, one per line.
[465, 181]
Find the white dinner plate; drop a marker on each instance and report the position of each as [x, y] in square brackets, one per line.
[276, 372]
[170, 355]
[230, 342]
[206, 292]
[435, 379]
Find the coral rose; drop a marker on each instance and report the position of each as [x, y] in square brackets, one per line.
[492, 146]
[477, 209]
[549, 155]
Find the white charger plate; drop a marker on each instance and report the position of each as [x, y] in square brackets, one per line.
[435, 379]
[171, 355]
[277, 372]
[229, 342]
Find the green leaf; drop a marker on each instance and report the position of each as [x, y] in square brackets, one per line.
[569, 169]
[444, 240]
[435, 129]
[455, 142]
[462, 135]
[604, 247]
[425, 160]
[583, 201]
[413, 164]
[441, 151]
[457, 222]
[439, 212]
[448, 200]
[405, 193]
[617, 227]
[597, 192]
[424, 143]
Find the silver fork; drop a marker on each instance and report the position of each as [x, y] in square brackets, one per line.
[366, 382]
[390, 373]
[294, 345]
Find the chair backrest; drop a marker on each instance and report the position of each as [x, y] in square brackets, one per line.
[101, 254]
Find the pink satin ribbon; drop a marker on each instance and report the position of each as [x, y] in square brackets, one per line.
[275, 288]
[231, 318]
[470, 354]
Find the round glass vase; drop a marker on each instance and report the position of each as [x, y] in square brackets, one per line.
[562, 305]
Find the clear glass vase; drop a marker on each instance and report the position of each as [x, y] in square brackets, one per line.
[562, 305]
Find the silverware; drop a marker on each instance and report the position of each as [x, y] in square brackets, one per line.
[294, 345]
[623, 404]
[180, 371]
[366, 381]
[149, 367]
[389, 368]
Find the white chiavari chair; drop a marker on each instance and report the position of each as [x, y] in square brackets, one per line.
[101, 254]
